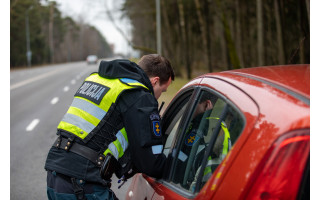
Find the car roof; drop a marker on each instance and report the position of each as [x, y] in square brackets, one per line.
[281, 93]
[293, 77]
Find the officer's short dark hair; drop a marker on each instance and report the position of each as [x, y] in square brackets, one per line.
[156, 65]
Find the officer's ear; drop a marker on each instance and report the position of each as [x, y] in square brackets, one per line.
[155, 80]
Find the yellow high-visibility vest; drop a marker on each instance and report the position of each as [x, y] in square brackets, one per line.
[226, 145]
[91, 104]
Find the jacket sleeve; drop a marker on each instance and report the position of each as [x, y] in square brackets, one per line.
[143, 126]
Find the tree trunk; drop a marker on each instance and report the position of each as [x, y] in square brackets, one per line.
[208, 36]
[260, 44]
[185, 46]
[308, 10]
[168, 32]
[233, 60]
[232, 52]
[239, 33]
[281, 54]
[221, 38]
[302, 46]
[51, 42]
[203, 35]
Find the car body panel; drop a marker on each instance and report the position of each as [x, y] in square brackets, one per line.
[282, 75]
[136, 192]
[146, 189]
[274, 101]
[270, 126]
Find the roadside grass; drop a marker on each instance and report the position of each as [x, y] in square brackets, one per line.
[175, 86]
[171, 91]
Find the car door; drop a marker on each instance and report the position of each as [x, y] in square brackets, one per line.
[142, 186]
[202, 124]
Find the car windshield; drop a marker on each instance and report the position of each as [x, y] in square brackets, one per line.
[93, 57]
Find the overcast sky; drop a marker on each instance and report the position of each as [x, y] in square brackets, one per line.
[94, 13]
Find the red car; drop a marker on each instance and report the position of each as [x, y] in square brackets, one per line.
[239, 134]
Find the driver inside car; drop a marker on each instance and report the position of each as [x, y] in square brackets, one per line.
[219, 152]
[195, 133]
[198, 139]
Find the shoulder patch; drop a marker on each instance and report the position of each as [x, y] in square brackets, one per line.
[154, 116]
[155, 123]
[156, 128]
[191, 139]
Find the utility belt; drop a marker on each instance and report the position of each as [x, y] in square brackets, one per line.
[108, 164]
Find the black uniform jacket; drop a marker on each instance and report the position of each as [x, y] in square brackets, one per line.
[138, 109]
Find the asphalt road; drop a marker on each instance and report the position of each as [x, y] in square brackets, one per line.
[39, 97]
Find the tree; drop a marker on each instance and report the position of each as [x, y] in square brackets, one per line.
[260, 42]
[228, 34]
[281, 55]
[185, 41]
[53, 38]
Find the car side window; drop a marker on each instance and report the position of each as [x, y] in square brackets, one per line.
[172, 130]
[172, 119]
[213, 128]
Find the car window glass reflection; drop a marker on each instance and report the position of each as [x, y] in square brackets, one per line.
[172, 130]
[173, 119]
[205, 121]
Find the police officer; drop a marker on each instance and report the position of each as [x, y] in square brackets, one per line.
[112, 125]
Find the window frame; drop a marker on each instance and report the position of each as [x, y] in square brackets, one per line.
[185, 120]
[169, 114]
[178, 105]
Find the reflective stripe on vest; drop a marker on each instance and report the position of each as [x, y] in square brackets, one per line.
[119, 146]
[226, 139]
[207, 170]
[84, 115]
[157, 149]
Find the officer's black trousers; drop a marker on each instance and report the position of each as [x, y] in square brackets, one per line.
[61, 187]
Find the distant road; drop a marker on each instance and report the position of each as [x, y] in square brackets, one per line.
[39, 97]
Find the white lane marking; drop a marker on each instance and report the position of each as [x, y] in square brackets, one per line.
[25, 82]
[54, 100]
[66, 89]
[32, 125]
[73, 81]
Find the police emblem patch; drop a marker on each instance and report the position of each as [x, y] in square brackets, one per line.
[191, 139]
[155, 123]
[156, 128]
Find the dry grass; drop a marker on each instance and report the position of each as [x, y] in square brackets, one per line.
[171, 92]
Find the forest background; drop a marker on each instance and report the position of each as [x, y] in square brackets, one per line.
[197, 36]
